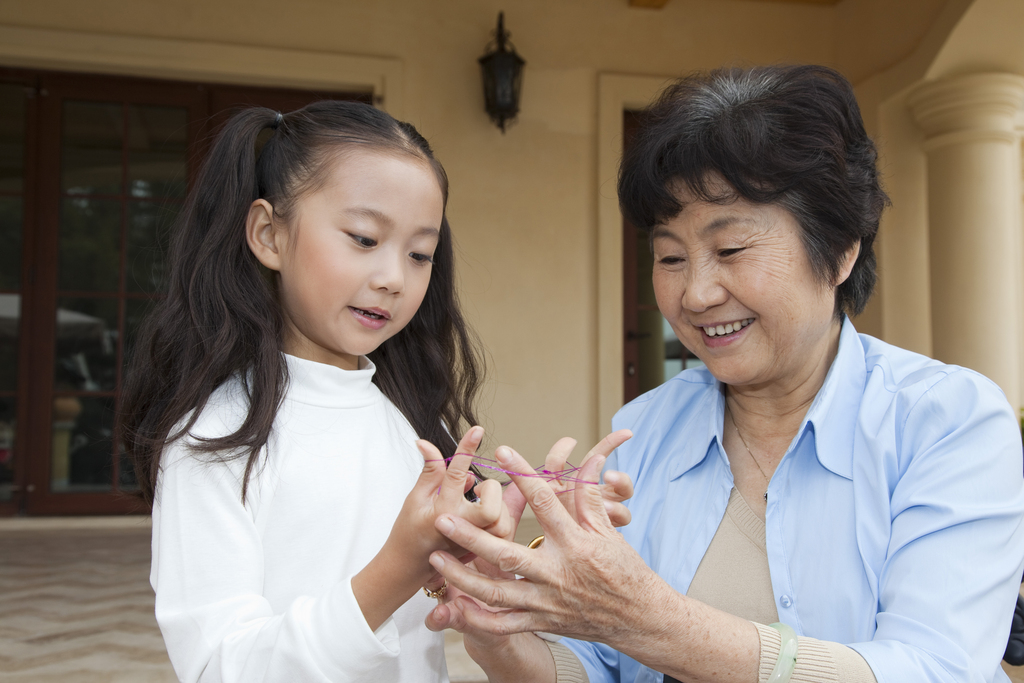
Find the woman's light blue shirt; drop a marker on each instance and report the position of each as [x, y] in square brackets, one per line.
[894, 520]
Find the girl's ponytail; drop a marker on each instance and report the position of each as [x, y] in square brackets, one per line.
[219, 317]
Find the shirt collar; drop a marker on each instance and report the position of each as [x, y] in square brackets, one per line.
[831, 419]
[704, 430]
[324, 385]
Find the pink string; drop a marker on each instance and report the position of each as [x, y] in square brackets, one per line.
[547, 475]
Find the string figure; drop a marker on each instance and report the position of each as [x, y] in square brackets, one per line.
[565, 475]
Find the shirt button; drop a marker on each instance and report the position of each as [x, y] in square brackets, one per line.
[786, 601]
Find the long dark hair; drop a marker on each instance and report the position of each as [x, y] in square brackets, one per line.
[220, 317]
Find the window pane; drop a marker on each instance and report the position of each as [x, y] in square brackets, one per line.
[86, 358]
[82, 444]
[90, 244]
[7, 415]
[157, 150]
[148, 234]
[91, 148]
[10, 238]
[12, 137]
[10, 312]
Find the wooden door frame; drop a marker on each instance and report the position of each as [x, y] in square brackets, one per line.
[205, 62]
[631, 360]
[616, 94]
[25, 349]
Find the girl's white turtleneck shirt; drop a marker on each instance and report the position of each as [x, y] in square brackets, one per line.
[262, 591]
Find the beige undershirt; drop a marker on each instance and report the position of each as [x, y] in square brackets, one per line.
[733, 576]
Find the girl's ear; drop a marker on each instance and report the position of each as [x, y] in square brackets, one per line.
[261, 234]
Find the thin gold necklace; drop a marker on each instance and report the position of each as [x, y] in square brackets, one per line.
[744, 442]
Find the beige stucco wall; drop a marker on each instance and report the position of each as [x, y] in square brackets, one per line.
[986, 39]
[900, 310]
[524, 206]
[967, 37]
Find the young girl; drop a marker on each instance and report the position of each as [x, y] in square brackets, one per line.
[282, 548]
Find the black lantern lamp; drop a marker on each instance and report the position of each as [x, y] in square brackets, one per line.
[503, 76]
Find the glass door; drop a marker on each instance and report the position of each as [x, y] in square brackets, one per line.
[119, 169]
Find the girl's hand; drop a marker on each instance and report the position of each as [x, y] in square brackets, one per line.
[401, 568]
[442, 490]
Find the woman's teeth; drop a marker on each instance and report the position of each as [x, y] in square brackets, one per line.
[719, 330]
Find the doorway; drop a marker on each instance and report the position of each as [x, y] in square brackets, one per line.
[652, 353]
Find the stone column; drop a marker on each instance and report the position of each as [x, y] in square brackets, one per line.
[973, 190]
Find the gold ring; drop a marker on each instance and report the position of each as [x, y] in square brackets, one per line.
[439, 593]
[536, 543]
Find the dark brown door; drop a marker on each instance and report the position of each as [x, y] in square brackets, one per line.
[651, 351]
[90, 183]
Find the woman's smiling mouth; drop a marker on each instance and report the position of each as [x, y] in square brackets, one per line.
[728, 328]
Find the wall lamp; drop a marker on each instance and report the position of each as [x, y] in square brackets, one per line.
[503, 77]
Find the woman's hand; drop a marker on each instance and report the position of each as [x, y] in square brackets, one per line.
[503, 654]
[515, 657]
[617, 486]
[584, 580]
[450, 611]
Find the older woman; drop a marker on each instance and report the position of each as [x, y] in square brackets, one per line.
[867, 498]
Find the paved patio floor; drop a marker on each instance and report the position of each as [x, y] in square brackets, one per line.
[76, 605]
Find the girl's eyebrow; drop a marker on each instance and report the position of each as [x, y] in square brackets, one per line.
[373, 214]
[384, 220]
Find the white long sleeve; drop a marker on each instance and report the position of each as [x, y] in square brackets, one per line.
[261, 592]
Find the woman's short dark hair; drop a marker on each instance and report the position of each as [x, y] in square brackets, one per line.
[785, 135]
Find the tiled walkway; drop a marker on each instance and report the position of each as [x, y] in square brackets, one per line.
[76, 605]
